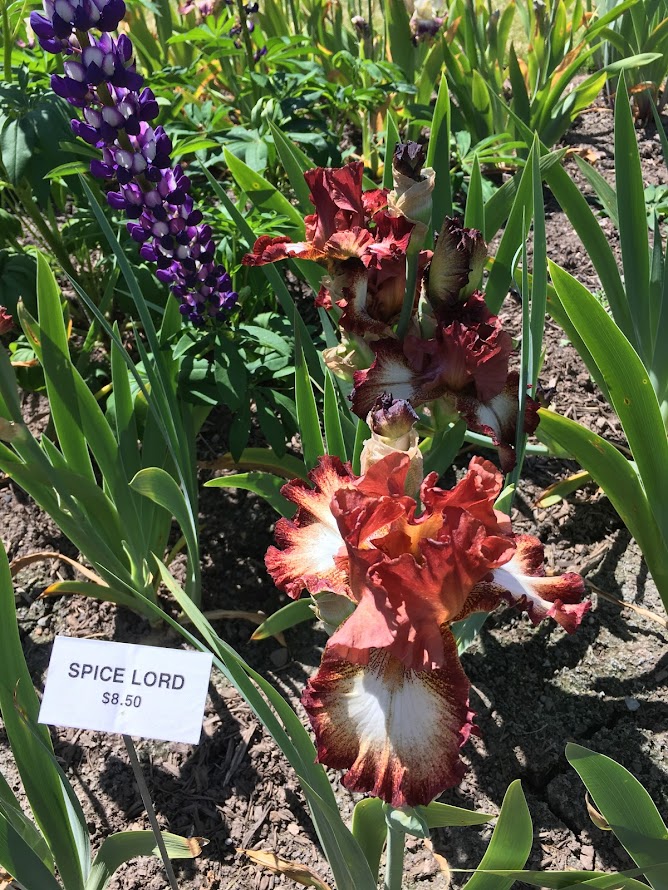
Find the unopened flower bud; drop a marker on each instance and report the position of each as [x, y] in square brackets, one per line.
[360, 24]
[332, 609]
[392, 418]
[392, 424]
[456, 267]
[424, 22]
[412, 193]
[408, 159]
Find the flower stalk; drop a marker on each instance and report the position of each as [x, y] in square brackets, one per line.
[7, 42]
[101, 80]
[394, 867]
[412, 264]
[445, 353]
[248, 45]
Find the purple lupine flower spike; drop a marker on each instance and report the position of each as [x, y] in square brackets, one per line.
[62, 17]
[117, 111]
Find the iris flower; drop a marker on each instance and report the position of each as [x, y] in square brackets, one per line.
[361, 246]
[464, 366]
[454, 359]
[389, 703]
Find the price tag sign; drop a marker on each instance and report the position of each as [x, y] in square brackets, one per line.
[131, 690]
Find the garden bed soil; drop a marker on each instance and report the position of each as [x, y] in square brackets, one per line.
[533, 689]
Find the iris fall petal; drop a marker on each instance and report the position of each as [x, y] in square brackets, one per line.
[396, 731]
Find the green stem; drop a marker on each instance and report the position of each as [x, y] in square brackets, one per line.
[248, 44]
[370, 52]
[394, 867]
[7, 42]
[31, 209]
[366, 140]
[412, 262]
[486, 442]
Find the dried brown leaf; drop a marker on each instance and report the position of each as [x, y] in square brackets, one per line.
[586, 152]
[441, 862]
[22, 561]
[6, 880]
[236, 614]
[227, 462]
[196, 845]
[597, 818]
[297, 872]
[652, 616]
[642, 87]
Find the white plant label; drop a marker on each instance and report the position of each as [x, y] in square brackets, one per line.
[132, 690]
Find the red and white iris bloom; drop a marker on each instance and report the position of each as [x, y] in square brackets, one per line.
[389, 703]
[361, 245]
[464, 365]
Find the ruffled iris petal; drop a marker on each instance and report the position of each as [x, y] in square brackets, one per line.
[467, 357]
[522, 582]
[313, 552]
[419, 570]
[397, 732]
[311, 542]
[497, 417]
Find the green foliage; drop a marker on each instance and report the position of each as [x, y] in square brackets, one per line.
[251, 365]
[284, 618]
[510, 844]
[32, 126]
[345, 857]
[30, 852]
[113, 474]
[266, 485]
[116, 529]
[625, 808]
[623, 349]
[628, 810]
[562, 38]
[18, 272]
[369, 830]
[631, 393]
[641, 29]
[62, 823]
[307, 411]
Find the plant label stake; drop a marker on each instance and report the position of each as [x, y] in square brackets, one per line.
[150, 811]
[120, 688]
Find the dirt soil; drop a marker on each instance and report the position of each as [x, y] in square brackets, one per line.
[534, 689]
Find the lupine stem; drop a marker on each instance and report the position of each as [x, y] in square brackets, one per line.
[394, 867]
